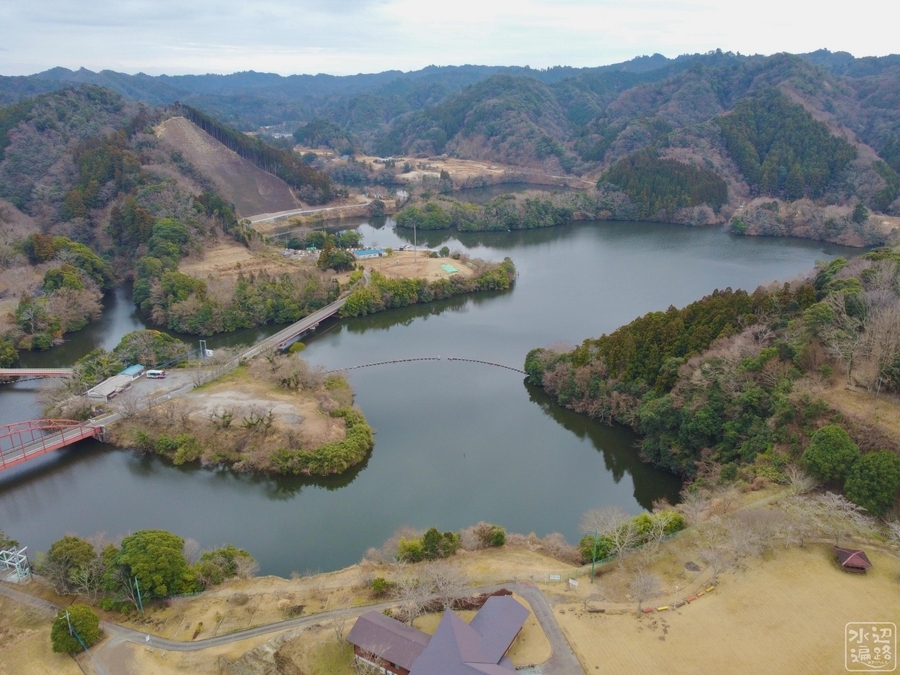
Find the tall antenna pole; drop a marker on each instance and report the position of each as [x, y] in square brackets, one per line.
[140, 599]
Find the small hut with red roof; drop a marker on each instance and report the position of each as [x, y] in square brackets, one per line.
[852, 560]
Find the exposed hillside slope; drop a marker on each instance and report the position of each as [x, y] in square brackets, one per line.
[239, 181]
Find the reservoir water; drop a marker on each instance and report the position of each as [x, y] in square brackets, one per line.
[456, 442]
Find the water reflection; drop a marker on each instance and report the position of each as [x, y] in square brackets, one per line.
[619, 447]
[456, 442]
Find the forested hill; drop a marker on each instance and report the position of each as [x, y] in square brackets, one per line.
[91, 194]
[729, 386]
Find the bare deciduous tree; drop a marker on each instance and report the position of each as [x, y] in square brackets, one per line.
[245, 566]
[840, 517]
[894, 531]
[614, 523]
[724, 498]
[643, 587]
[130, 406]
[694, 506]
[191, 550]
[412, 594]
[339, 624]
[800, 482]
[657, 532]
[844, 337]
[445, 581]
[591, 594]
[88, 580]
[801, 519]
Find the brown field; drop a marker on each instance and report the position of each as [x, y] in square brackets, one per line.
[25, 643]
[785, 613]
[462, 171]
[411, 265]
[227, 259]
[239, 181]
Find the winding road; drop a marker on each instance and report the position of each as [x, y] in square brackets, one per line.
[562, 662]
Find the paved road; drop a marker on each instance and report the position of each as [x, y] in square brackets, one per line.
[563, 661]
[266, 217]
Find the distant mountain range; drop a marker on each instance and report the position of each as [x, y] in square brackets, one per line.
[250, 100]
[823, 126]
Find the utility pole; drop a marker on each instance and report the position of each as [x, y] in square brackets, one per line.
[137, 587]
[594, 556]
[415, 244]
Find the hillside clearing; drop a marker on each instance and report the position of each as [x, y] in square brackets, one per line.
[239, 181]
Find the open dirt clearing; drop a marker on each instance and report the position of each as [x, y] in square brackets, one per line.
[240, 182]
[412, 265]
[784, 614]
[291, 410]
[227, 259]
[465, 171]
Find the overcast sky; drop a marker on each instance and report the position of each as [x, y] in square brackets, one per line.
[352, 36]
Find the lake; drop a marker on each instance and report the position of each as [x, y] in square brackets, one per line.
[456, 442]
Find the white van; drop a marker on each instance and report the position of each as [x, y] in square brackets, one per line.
[156, 374]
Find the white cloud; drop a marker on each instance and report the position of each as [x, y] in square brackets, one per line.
[350, 36]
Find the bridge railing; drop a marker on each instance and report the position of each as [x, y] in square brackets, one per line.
[22, 440]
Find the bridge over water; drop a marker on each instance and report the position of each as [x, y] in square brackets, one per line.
[31, 373]
[23, 441]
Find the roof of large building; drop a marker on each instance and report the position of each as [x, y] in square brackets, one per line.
[498, 622]
[110, 386]
[388, 638]
[456, 648]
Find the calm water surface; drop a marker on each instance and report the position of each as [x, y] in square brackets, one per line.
[456, 442]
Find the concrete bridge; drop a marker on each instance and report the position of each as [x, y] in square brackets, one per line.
[282, 338]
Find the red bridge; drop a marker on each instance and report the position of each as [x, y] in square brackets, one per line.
[22, 441]
[9, 373]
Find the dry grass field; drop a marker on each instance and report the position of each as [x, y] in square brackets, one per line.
[25, 643]
[462, 171]
[411, 265]
[785, 613]
[882, 411]
[227, 259]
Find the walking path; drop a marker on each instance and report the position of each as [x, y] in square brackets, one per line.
[563, 661]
